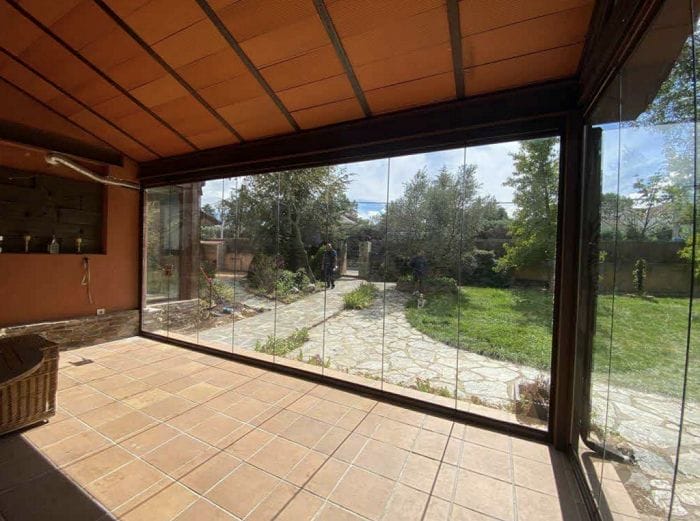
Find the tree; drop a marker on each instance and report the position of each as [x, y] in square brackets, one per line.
[283, 212]
[533, 229]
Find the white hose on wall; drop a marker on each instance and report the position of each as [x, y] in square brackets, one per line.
[56, 159]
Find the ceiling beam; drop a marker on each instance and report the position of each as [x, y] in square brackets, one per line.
[233, 43]
[342, 55]
[98, 71]
[456, 44]
[134, 36]
[14, 132]
[60, 89]
[35, 138]
[533, 109]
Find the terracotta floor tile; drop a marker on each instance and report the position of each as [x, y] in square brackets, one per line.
[405, 504]
[438, 509]
[191, 417]
[437, 424]
[168, 407]
[303, 506]
[535, 506]
[351, 447]
[304, 403]
[110, 382]
[71, 449]
[124, 483]
[535, 476]
[487, 461]
[333, 439]
[485, 494]
[382, 458]
[329, 412]
[266, 392]
[219, 430]
[242, 490]
[532, 450]
[459, 513]
[430, 444]
[203, 510]
[369, 424]
[126, 426]
[279, 457]
[146, 398]
[53, 431]
[149, 439]
[280, 421]
[200, 392]
[104, 414]
[331, 512]
[210, 472]
[453, 451]
[277, 499]
[80, 399]
[351, 419]
[164, 505]
[396, 433]
[245, 409]
[99, 464]
[127, 390]
[59, 500]
[306, 468]
[363, 492]
[290, 382]
[420, 472]
[445, 481]
[174, 455]
[306, 431]
[249, 444]
[494, 440]
[325, 480]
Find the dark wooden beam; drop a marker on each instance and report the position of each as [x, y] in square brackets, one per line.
[75, 100]
[233, 43]
[98, 71]
[531, 110]
[456, 43]
[128, 30]
[342, 55]
[35, 138]
[614, 32]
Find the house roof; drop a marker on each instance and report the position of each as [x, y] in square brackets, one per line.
[153, 79]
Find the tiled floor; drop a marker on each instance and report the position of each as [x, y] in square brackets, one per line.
[150, 431]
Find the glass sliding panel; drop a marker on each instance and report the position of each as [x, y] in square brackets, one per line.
[351, 340]
[216, 281]
[423, 237]
[184, 307]
[504, 308]
[158, 285]
[254, 203]
[651, 275]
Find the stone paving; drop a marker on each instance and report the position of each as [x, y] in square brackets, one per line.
[378, 342]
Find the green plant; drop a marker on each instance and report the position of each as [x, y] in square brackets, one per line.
[533, 399]
[314, 360]
[639, 276]
[282, 346]
[285, 283]
[424, 385]
[262, 273]
[361, 297]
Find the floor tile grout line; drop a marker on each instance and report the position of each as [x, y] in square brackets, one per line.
[456, 478]
[437, 472]
[512, 474]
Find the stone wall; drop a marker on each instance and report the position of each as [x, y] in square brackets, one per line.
[82, 331]
[181, 314]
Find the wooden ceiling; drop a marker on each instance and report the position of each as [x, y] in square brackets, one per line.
[159, 78]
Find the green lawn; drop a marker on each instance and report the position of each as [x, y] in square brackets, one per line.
[515, 325]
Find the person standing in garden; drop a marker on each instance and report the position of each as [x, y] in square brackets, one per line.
[329, 263]
[419, 268]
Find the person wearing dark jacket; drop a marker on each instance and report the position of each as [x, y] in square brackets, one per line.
[419, 269]
[329, 263]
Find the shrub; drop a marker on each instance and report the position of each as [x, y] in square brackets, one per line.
[533, 400]
[639, 276]
[483, 272]
[262, 273]
[282, 346]
[361, 297]
[285, 282]
[440, 285]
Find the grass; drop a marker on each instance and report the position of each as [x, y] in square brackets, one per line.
[282, 346]
[425, 386]
[361, 297]
[515, 324]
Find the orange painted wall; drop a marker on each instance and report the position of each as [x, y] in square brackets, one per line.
[42, 287]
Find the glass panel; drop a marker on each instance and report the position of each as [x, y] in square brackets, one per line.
[159, 284]
[424, 234]
[640, 350]
[504, 308]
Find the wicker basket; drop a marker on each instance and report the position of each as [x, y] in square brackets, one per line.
[29, 381]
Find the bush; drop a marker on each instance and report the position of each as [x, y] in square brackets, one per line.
[361, 297]
[483, 271]
[282, 346]
[285, 282]
[440, 285]
[262, 273]
[639, 276]
[533, 400]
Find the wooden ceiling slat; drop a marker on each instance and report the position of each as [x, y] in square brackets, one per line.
[413, 93]
[158, 19]
[191, 44]
[82, 25]
[173, 74]
[233, 43]
[213, 69]
[317, 93]
[342, 55]
[84, 62]
[530, 36]
[352, 17]
[315, 65]
[335, 112]
[114, 48]
[49, 11]
[248, 19]
[58, 91]
[213, 138]
[116, 137]
[234, 90]
[135, 72]
[523, 70]
[456, 45]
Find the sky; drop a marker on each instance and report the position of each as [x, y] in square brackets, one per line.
[368, 183]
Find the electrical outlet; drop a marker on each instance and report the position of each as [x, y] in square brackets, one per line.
[101, 311]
